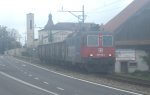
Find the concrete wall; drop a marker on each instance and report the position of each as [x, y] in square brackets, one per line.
[15, 52]
[117, 67]
[142, 65]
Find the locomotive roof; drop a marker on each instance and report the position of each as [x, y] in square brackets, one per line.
[90, 33]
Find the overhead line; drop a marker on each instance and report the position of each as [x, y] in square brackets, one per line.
[104, 7]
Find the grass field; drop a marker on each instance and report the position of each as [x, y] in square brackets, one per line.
[142, 74]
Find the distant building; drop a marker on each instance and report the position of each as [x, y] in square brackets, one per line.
[30, 30]
[58, 32]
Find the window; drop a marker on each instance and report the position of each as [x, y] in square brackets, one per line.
[133, 64]
[92, 40]
[107, 41]
[31, 24]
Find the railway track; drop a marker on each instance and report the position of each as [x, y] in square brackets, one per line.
[115, 77]
[130, 80]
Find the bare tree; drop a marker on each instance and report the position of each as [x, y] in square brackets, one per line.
[8, 39]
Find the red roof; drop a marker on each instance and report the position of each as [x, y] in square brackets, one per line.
[129, 11]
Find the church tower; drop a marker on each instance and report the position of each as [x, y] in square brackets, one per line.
[30, 30]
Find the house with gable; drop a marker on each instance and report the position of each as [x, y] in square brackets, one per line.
[132, 36]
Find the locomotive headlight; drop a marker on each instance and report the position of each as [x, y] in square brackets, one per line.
[91, 54]
[110, 55]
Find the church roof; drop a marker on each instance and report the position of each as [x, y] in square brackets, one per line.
[66, 25]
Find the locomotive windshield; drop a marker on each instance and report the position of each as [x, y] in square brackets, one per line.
[107, 41]
[92, 40]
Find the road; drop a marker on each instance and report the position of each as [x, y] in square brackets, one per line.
[22, 78]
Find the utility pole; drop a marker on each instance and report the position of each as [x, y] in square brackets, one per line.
[83, 14]
[80, 17]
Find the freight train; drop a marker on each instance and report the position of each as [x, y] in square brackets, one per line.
[90, 50]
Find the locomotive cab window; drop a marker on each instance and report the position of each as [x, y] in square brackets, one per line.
[107, 41]
[92, 40]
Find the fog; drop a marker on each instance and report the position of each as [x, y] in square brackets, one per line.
[13, 12]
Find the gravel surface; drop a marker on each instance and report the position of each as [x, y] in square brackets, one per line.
[92, 77]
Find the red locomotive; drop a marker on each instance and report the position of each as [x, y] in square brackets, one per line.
[90, 50]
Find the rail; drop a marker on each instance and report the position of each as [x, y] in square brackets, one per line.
[130, 80]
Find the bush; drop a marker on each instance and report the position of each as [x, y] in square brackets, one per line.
[147, 59]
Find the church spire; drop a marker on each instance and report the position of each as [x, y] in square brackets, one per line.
[49, 24]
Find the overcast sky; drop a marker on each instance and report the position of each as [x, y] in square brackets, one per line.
[13, 12]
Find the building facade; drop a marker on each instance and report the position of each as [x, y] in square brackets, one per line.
[130, 60]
